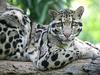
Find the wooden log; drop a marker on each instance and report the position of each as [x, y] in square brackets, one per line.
[26, 68]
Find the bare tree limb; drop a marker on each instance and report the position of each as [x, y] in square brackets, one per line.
[26, 68]
[3, 5]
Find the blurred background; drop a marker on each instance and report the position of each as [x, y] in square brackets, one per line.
[38, 11]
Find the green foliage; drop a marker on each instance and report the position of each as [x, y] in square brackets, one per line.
[39, 8]
[91, 29]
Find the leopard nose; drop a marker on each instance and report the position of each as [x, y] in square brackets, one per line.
[67, 32]
[67, 35]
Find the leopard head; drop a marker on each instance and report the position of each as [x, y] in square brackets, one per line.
[66, 24]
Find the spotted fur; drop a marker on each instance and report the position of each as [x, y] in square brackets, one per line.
[15, 29]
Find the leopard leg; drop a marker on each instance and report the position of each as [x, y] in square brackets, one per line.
[56, 59]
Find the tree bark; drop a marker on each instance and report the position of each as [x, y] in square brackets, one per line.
[26, 68]
[3, 5]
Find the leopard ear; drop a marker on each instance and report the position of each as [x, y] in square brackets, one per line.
[78, 12]
[53, 13]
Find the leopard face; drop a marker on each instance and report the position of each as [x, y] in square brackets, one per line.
[66, 24]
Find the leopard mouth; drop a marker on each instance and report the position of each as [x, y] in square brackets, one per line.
[62, 38]
[65, 39]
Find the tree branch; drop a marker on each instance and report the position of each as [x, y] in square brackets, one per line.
[26, 68]
[3, 5]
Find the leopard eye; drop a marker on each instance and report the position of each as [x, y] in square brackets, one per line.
[74, 24]
[58, 24]
[58, 28]
[55, 31]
